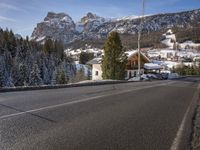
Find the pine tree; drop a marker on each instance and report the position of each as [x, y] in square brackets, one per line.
[61, 77]
[8, 63]
[85, 57]
[80, 75]
[35, 78]
[114, 59]
[54, 77]
[48, 46]
[23, 71]
[2, 72]
[12, 44]
[59, 50]
[1, 78]
[46, 74]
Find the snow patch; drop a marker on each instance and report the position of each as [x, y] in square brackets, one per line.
[79, 27]
[40, 39]
[66, 19]
[132, 17]
[170, 38]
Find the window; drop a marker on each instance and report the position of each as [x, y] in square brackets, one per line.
[96, 73]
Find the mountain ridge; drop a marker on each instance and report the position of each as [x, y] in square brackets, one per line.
[94, 27]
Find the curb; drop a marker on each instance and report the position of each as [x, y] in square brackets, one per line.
[195, 137]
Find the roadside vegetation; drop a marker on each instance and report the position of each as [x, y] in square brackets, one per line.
[27, 63]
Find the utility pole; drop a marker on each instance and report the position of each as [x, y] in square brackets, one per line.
[139, 37]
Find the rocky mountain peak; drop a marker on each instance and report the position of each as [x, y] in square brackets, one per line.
[58, 26]
[51, 16]
[90, 16]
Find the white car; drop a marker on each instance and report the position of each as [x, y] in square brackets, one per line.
[135, 79]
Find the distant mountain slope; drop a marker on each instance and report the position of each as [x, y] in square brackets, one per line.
[93, 28]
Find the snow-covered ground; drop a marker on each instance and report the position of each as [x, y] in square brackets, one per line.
[76, 52]
[170, 38]
[188, 54]
[97, 81]
[162, 53]
[40, 39]
[132, 17]
[189, 44]
[171, 57]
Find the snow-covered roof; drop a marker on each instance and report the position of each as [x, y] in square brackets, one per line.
[133, 52]
[152, 66]
[95, 61]
[167, 51]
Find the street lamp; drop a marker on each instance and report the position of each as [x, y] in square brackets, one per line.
[139, 37]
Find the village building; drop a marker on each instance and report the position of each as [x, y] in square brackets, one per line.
[131, 66]
[96, 68]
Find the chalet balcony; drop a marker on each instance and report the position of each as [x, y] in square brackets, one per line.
[129, 67]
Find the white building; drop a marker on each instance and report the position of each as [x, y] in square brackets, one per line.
[96, 68]
[167, 54]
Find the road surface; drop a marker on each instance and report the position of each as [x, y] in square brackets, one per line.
[130, 116]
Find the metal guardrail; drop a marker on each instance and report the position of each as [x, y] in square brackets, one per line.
[45, 87]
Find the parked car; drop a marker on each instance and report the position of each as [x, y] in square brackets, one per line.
[144, 77]
[173, 76]
[164, 76]
[159, 76]
[152, 76]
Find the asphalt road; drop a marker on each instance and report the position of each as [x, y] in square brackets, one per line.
[130, 116]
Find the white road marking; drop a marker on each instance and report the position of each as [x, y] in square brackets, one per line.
[177, 140]
[80, 100]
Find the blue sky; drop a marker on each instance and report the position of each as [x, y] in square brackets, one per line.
[22, 15]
